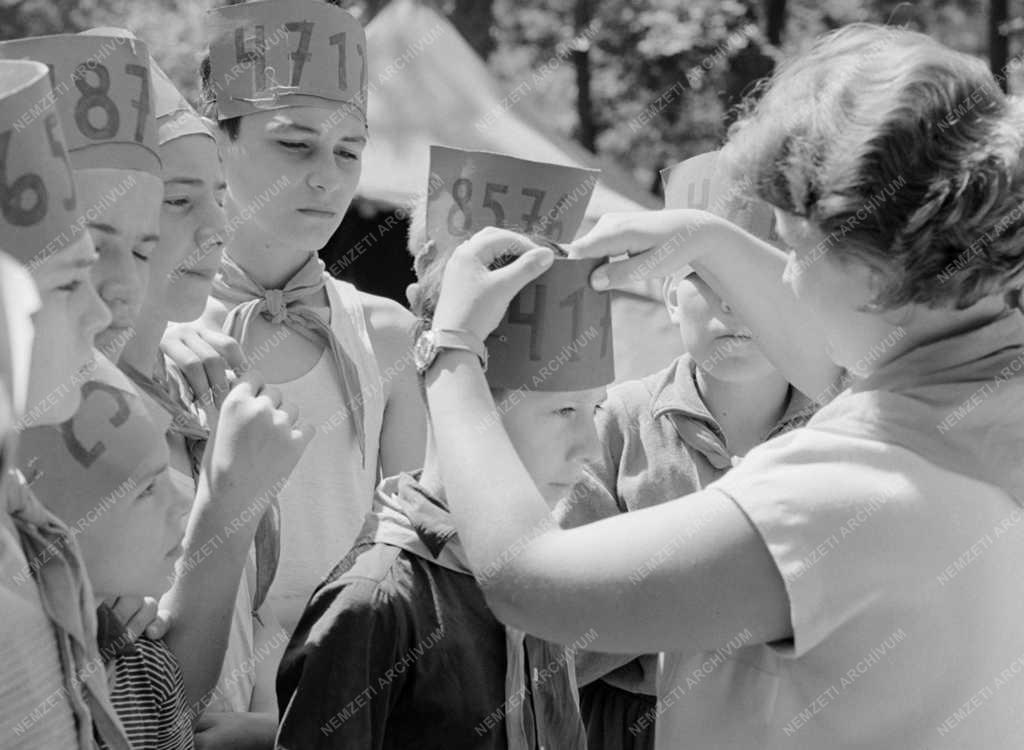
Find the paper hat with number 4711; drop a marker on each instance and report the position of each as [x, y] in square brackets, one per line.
[270, 54]
[103, 94]
[556, 333]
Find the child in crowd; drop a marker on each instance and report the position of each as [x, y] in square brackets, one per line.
[130, 519]
[673, 433]
[50, 696]
[182, 269]
[398, 649]
[292, 136]
[830, 552]
[102, 93]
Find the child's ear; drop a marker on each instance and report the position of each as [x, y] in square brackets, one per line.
[671, 298]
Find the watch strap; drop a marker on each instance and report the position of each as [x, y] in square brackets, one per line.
[452, 338]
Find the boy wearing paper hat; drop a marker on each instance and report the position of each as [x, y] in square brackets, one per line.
[397, 648]
[182, 270]
[104, 99]
[677, 430]
[49, 629]
[286, 80]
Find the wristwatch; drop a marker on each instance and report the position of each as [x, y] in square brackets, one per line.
[432, 342]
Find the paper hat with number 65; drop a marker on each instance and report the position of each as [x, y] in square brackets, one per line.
[100, 454]
[556, 333]
[103, 94]
[701, 182]
[39, 201]
[270, 54]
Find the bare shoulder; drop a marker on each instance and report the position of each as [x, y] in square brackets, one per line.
[391, 329]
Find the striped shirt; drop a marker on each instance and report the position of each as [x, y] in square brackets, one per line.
[148, 693]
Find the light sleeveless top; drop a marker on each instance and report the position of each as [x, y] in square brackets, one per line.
[237, 681]
[34, 710]
[330, 490]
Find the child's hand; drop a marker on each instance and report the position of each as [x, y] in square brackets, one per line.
[257, 442]
[659, 244]
[204, 356]
[141, 615]
[473, 297]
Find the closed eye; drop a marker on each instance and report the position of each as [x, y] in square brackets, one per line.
[148, 492]
[294, 145]
[347, 155]
[566, 411]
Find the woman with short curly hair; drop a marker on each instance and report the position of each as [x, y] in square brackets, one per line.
[854, 583]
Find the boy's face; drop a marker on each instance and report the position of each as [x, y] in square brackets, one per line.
[722, 346]
[295, 170]
[554, 435]
[124, 219]
[70, 316]
[191, 222]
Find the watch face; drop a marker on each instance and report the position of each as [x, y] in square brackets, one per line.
[423, 352]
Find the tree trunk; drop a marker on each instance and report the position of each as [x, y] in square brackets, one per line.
[587, 130]
[998, 42]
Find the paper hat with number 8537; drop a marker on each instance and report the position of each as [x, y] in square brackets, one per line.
[702, 182]
[102, 453]
[103, 94]
[271, 54]
[556, 334]
[38, 203]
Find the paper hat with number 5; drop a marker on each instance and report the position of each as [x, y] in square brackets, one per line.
[104, 451]
[556, 334]
[701, 182]
[175, 117]
[39, 203]
[102, 90]
[271, 54]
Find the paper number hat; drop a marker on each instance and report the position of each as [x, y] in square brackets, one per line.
[175, 117]
[700, 182]
[103, 94]
[556, 334]
[271, 54]
[98, 453]
[39, 200]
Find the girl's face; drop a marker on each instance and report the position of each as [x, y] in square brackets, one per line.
[70, 316]
[293, 172]
[124, 219]
[191, 222]
[834, 290]
[722, 346]
[554, 435]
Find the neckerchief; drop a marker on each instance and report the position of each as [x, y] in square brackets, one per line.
[290, 307]
[66, 596]
[957, 402]
[406, 516]
[267, 541]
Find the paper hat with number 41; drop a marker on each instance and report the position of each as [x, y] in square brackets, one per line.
[39, 200]
[102, 453]
[703, 183]
[556, 333]
[103, 94]
[270, 54]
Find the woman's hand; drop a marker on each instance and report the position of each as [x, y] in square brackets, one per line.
[473, 297]
[659, 243]
[204, 356]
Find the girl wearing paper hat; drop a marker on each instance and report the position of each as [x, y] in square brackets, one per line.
[49, 627]
[103, 97]
[867, 563]
[286, 82]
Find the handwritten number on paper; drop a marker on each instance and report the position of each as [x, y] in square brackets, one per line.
[302, 54]
[142, 103]
[575, 301]
[257, 55]
[491, 202]
[462, 191]
[82, 454]
[340, 40]
[17, 210]
[534, 319]
[95, 97]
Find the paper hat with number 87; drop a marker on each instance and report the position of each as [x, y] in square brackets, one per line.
[701, 182]
[38, 201]
[103, 452]
[556, 333]
[271, 54]
[103, 94]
